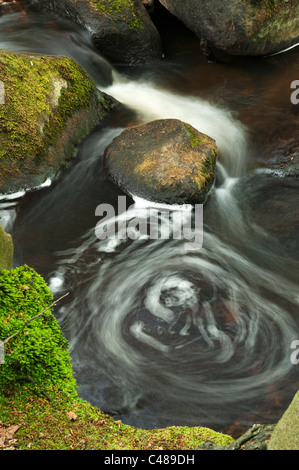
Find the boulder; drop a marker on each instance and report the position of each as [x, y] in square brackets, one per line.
[241, 27]
[286, 432]
[6, 250]
[165, 161]
[50, 104]
[121, 30]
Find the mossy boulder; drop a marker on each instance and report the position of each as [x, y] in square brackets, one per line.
[286, 433]
[51, 103]
[165, 161]
[241, 27]
[6, 250]
[121, 30]
[38, 354]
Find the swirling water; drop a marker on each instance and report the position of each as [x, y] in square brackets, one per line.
[159, 334]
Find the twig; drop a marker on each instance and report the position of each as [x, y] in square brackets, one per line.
[26, 378]
[33, 318]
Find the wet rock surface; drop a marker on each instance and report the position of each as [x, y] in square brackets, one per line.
[165, 161]
[122, 31]
[240, 27]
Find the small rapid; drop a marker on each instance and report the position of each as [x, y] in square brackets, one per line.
[150, 102]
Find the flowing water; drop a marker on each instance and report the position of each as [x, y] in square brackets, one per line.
[161, 334]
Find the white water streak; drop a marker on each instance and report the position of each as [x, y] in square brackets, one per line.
[152, 103]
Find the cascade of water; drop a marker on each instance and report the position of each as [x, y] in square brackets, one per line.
[151, 102]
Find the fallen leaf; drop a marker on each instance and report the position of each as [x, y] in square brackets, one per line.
[7, 433]
[72, 416]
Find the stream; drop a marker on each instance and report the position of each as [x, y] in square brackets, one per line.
[161, 335]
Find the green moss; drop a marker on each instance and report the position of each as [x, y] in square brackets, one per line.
[39, 352]
[123, 10]
[41, 94]
[38, 356]
[195, 141]
[276, 20]
[46, 425]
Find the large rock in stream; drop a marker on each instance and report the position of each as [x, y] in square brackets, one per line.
[48, 105]
[241, 27]
[121, 30]
[286, 432]
[165, 161]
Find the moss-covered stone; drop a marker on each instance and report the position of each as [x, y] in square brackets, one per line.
[6, 250]
[46, 425]
[121, 30]
[37, 354]
[50, 105]
[241, 27]
[120, 10]
[276, 22]
[164, 161]
[286, 433]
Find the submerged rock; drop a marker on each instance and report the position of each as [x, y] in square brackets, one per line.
[50, 104]
[9, 6]
[284, 159]
[6, 250]
[241, 27]
[166, 161]
[121, 30]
